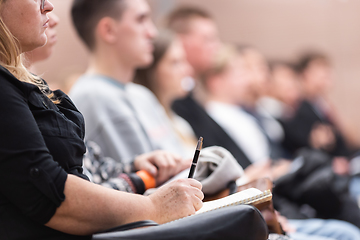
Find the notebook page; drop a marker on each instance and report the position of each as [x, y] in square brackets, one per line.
[233, 199]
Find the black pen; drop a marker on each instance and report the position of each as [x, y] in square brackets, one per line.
[196, 157]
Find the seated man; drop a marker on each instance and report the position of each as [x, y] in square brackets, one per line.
[316, 113]
[104, 170]
[123, 118]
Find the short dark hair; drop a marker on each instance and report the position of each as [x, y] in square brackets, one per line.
[179, 19]
[273, 64]
[309, 57]
[86, 15]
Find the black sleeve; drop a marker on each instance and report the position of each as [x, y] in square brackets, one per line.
[30, 179]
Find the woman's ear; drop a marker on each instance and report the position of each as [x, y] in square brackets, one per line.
[107, 30]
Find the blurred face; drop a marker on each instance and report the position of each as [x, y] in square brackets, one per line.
[171, 72]
[239, 79]
[317, 77]
[27, 21]
[135, 32]
[45, 52]
[201, 44]
[285, 85]
[258, 71]
[233, 83]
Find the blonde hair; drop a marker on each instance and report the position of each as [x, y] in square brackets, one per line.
[12, 59]
[221, 61]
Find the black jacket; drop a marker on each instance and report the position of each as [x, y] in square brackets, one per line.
[298, 128]
[40, 143]
[203, 125]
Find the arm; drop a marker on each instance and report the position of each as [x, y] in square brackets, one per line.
[108, 172]
[39, 189]
[89, 208]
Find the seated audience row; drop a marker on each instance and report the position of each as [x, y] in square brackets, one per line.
[164, 78]
[127, 122]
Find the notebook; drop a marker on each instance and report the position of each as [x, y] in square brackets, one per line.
[250, 196]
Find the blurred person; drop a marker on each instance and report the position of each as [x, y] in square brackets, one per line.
[100, 169]
[283, 92]
[199, 35]
[123, 118]
[167, 68]
[192, 107]
[317, 123]
[46, 194]
[227, 85]
[279, 101]
[166, 77]
[257, 68]
[260, 83]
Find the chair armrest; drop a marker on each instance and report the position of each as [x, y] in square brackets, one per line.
[235, 222]
[133, 225]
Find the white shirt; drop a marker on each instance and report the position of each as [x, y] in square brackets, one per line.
[242, 128]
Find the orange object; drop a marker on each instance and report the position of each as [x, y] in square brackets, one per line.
[147, 178]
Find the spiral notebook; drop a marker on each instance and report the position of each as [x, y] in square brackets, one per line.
[250, 196]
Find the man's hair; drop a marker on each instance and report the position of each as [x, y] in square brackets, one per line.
[86, 14]
[309, 57]
[179, 19]
[273, 64]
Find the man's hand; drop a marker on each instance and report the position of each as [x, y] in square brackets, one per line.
[322, 136]
[177, 199]
[341, 165]
[161, 164]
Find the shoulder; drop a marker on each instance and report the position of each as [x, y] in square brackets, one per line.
[137, 88]
[11, 86]
[90, 85]
[90, 89]
[139, 91]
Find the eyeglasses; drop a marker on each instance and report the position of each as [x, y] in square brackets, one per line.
[42, 4]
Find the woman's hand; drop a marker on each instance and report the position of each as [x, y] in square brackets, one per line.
[178, 199]
[90, 208]
[161, 164]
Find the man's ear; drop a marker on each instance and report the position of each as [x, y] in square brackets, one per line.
[107, 30]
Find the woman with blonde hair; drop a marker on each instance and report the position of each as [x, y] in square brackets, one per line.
[43, 192]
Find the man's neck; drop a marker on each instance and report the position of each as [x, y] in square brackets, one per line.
[220, 98]
[110, 66]
[251, 100]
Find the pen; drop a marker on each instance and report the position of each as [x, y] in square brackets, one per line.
[196, 157]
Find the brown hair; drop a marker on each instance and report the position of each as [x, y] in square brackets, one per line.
[221, 62]
[309, 57]
[145, 76]
[273, 64]
[179, 19]
[86, 15]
